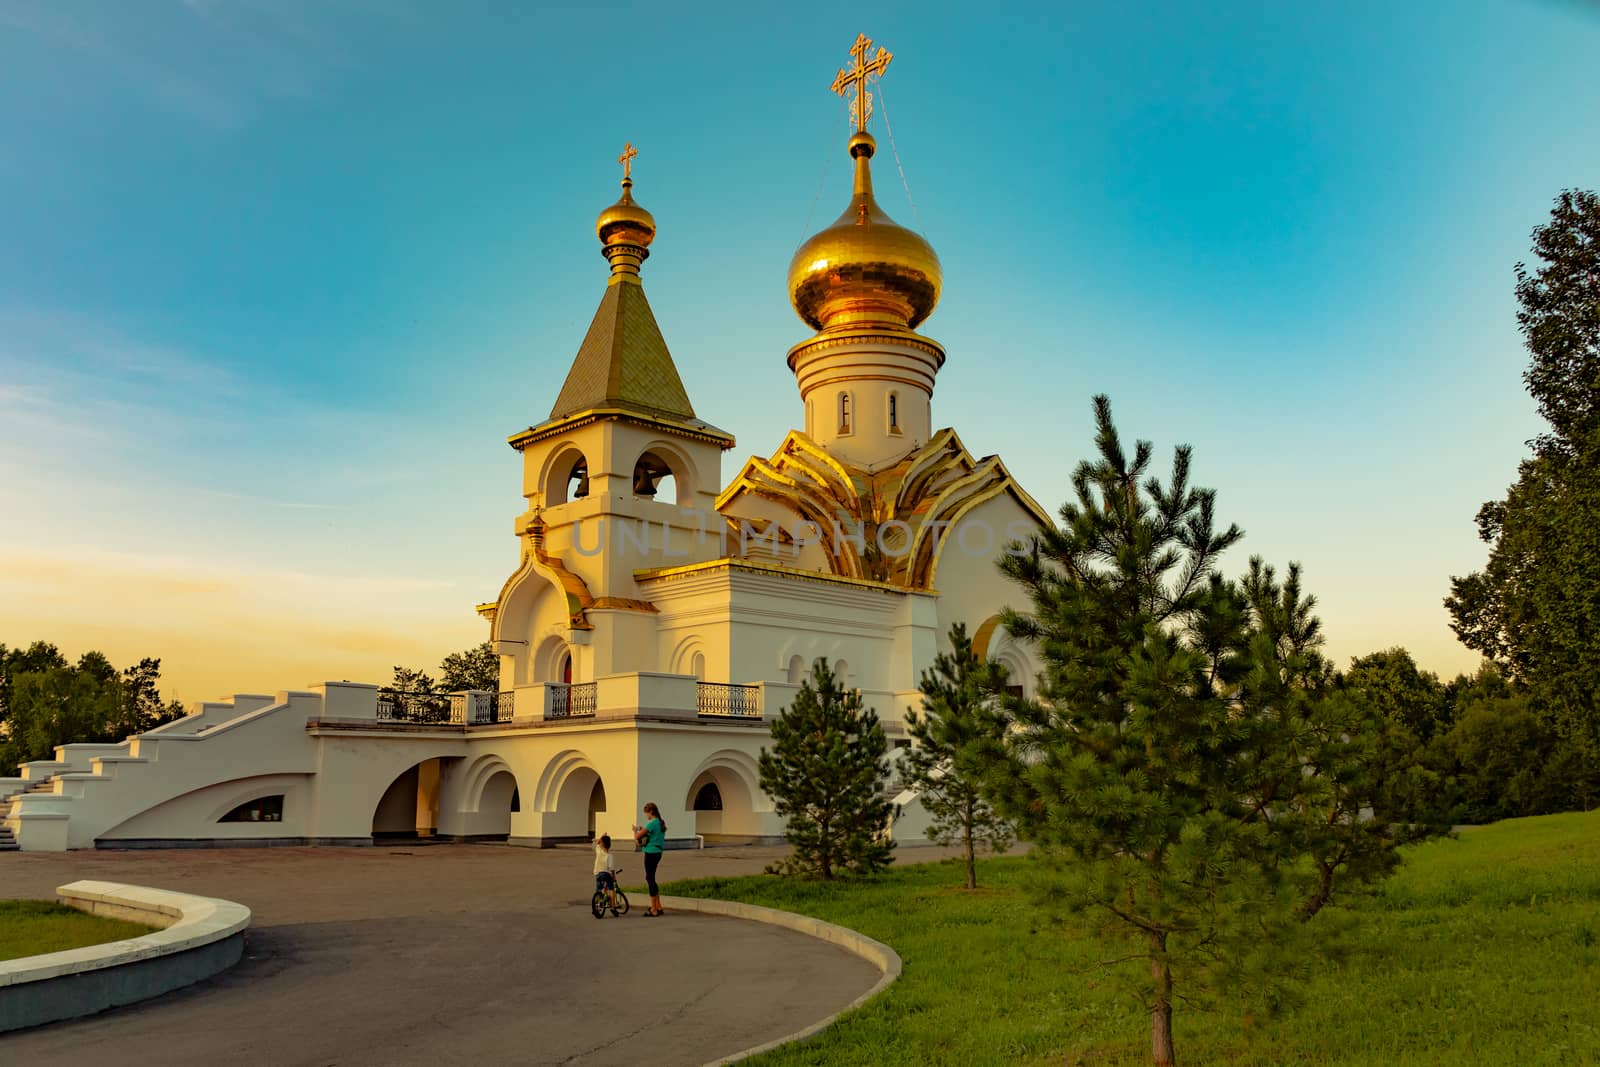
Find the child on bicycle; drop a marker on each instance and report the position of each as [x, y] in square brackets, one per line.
[605, 871]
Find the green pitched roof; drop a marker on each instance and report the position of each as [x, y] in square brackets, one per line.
[623, 362]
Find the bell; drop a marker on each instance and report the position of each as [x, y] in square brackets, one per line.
[581, 472]
[645, 481]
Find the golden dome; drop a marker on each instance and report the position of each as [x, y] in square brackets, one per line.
[864, 269]
[625, 222]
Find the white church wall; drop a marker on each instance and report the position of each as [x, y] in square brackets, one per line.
[751, 538]
[355, 776]
[971, 587]
[196, 815]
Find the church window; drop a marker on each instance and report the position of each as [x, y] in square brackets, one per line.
[894, 412]
[844, 412]
[262, 809]
[797, 670]
[709, 798]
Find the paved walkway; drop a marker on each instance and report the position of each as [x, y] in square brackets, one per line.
[446, 954]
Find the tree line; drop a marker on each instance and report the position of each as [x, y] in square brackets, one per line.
[46, 701]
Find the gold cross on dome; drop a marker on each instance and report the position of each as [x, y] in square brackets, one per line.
[854, 78]
[626, 159]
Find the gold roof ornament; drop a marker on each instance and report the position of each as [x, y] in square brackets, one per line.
[865, 270]
[625, 229]
[854, 79]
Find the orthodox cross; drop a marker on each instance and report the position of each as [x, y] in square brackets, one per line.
[626, 159]
[854, 78]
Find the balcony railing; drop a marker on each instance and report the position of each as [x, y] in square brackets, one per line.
[493, 707]
[572, 701]
[728, 701]
[401, 706]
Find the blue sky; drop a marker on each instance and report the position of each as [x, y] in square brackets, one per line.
[278, 278]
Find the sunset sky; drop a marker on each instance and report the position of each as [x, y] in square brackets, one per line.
[277, 279]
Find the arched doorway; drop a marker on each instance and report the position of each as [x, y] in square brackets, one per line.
[575, 807]
[409, 808]
[723, 796]
[495, 807]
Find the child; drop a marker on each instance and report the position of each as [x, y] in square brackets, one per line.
[605, 871]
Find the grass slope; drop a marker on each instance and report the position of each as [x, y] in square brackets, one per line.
[1481, 950]
[34, 927]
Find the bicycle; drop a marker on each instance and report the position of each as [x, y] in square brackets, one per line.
[599, 904]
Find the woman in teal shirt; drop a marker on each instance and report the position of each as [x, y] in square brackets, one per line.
[652, 839]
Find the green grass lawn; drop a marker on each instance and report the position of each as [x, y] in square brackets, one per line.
[1481, 950]
[34, 927]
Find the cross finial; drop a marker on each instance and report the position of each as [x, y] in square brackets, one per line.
[854, 78]
[626, 159]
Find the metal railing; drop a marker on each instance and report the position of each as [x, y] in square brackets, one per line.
[728, 701]
[572, 701]
[401, 706]
[493, 707]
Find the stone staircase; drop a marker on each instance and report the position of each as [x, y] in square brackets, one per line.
[8, 840]
[89, 789]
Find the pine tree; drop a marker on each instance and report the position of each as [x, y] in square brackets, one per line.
[826, 773]
[958, 709]
[1179, 770]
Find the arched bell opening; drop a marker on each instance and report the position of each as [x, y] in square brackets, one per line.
[566, 477]
[660, 473]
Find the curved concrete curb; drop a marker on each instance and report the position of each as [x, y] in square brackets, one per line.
[200, 937]
[876, 953]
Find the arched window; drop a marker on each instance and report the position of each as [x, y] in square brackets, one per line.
[841, 673]
[566, 668]
[844, 412]
[709, 798]
[797, 670]
[894, 412]
[698, 666]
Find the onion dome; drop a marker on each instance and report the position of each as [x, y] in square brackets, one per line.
[865, 269]
[625, 230]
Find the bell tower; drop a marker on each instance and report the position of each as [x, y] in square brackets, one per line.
[622, 476]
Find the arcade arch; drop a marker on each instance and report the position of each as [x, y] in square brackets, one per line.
[725, 796]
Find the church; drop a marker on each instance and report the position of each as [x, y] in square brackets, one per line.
[657, 616]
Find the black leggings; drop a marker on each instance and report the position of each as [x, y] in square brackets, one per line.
[652, 860]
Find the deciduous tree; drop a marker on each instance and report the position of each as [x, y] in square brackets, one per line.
[1535, 607]
[475, 668]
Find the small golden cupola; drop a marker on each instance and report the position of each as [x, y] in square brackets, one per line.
[625, 229]
[865, 269]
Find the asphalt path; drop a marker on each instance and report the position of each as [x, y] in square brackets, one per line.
[445, 954]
